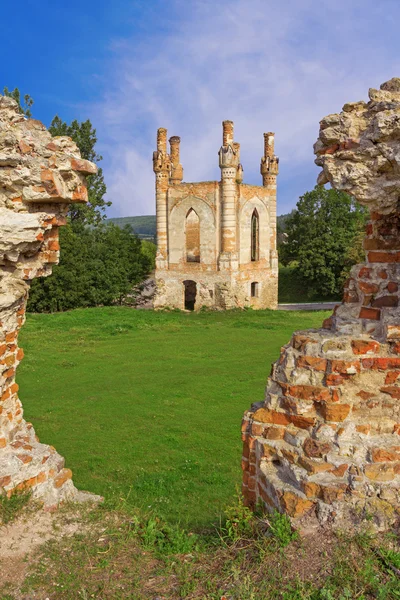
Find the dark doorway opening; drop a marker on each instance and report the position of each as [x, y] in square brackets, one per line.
[190, 294]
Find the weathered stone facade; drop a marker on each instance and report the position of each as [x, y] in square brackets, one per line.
[39, 177]
[216, 241]
[324, 446]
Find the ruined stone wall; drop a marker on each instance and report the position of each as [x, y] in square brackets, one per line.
[39, 177]
[225, 272]
[324, 445]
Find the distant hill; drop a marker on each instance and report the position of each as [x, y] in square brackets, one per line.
[145, 227]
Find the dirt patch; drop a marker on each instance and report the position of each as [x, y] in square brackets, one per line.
[20, 539]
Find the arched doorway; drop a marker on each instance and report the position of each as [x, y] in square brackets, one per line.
[190, 290]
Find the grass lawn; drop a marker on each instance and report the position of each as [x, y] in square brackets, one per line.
[148, 404]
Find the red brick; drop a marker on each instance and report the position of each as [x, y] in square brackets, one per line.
[302, 422]
[6, 480]
[315, 448]
[381, 364]
[62, 477]
[309, 392]
[365, 429]
[392, 287]
[369, 229]
[365, 346]
[380, 455]
[264, 415]
[11, 337]
[391, 377]
[331, 493]
[383, 257]
[299, 341]
[364, 273]
[294, 505]
[14, 388]
[312, 362]
[392, 390]
[310, 489]
[274, 433]
[346, 367]
[340, 470]
[335, 379]
[395, 348]
[368, 288]
[370, 313]
[335, 412]
[386, 301]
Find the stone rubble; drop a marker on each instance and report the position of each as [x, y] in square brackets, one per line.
[324, 446]
[40, 176]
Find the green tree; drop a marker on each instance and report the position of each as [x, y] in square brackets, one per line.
[98, 266]
[324, 237]
[84, 135]
[16, 95]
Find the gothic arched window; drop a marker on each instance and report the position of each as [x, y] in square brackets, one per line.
[192, 237]
[255, 235]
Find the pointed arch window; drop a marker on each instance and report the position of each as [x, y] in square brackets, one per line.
[192, 230]
[255, 236]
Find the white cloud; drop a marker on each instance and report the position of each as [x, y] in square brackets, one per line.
[265, 65]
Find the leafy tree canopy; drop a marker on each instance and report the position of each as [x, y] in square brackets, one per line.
[98, 266]
[324, 238]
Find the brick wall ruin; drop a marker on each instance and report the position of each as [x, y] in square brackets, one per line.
[324, 446]
[39, 177]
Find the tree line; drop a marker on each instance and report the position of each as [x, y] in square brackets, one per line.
[99, 263]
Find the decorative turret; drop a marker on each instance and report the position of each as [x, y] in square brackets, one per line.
[269, 163]
[229, 153]
[229, 157]
[162, 169]
[176, 167]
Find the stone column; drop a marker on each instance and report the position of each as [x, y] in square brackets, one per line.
[39, 177]
[269, 170]
[162, 169]
[229, 165]
[176, 167]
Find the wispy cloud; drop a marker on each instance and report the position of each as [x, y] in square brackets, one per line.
[265, 65]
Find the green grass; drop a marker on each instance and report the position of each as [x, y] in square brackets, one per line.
[148, 405]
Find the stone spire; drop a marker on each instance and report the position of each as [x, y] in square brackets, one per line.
[269, 162]
[162, 169]
[229, 155]
[176, 167]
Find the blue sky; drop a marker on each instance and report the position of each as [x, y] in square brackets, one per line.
[134, 65]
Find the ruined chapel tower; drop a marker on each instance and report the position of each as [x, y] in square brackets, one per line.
[216, 241]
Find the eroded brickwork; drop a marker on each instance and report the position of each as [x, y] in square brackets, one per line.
[324, 446]
[39, 177]
[215, 258]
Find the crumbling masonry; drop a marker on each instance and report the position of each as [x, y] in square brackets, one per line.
[324, 446]
[39, 177]
[216, 241]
